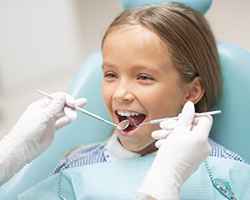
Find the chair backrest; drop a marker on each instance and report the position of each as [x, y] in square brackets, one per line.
[232, 127]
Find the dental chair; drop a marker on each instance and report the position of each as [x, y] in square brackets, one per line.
[231, 128]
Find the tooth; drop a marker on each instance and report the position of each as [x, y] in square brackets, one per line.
[122, 113]
[127, 114]
[133, 113]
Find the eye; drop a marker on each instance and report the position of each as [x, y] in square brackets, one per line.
[109, 75]
[145, 77]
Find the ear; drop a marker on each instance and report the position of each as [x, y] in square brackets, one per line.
[195, 90]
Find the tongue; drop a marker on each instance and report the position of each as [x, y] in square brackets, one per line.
[135, 120]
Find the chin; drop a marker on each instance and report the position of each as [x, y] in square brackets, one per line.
[140, 149]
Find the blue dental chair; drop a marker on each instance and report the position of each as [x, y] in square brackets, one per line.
[231, 128]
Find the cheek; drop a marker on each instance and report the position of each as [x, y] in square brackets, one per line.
[167, 101]
[107, 94]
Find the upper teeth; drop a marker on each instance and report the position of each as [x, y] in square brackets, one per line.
[127, 114]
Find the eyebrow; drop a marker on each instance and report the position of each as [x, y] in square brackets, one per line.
[138, 66]
[106, 64]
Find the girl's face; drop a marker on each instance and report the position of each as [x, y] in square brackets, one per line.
[140, 84]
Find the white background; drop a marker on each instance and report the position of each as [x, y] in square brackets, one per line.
[43, 42]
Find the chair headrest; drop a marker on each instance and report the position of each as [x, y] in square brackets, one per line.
[199, 5]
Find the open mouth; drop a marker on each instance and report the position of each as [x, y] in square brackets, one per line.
[134, 119]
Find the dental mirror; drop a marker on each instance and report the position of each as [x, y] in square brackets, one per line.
[121, 126]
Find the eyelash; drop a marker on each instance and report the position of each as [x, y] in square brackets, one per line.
[109, 75]
[144, 77]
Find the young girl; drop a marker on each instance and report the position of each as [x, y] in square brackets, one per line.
[155, 59]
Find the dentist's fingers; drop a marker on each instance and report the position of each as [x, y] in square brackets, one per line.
[168, 124]
[63, 121]
[187, 116]
[159, 143]
[81, 102]
[160, 134]
[70, 112]
[203, 125]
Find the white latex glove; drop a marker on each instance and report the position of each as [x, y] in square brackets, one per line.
[34, 132]
[179, 155]
[161, 135]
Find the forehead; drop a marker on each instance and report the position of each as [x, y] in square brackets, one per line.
[141, 41]
[139, 32]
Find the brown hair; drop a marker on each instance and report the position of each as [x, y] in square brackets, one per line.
[187, 35]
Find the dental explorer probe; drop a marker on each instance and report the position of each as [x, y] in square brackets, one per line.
[121, 126]
[157, 121]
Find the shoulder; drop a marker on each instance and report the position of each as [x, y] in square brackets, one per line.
[222, 152]
[88, 154]
[85, 155]
[86, 150]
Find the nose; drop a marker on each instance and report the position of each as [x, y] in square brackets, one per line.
[123, 93]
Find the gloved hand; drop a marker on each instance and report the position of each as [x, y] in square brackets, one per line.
[34, 131]
[181, 152]
[161, 135]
